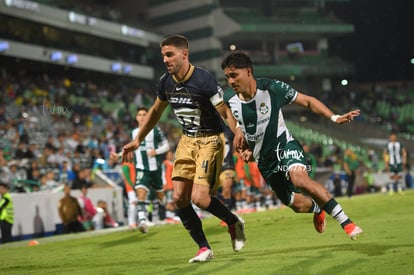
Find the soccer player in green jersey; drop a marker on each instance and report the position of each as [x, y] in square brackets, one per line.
[256, 105]
[395, 159]
[148, 158]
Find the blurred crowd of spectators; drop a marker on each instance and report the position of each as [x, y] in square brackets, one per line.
[55, 130]
[388, 105]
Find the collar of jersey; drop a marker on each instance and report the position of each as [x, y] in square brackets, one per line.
[187, 75]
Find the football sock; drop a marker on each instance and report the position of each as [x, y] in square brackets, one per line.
[142, 210]
[155, 211]
[162, 211]
[333, 208]
[220, 211]
[315, 207]
[193, 225]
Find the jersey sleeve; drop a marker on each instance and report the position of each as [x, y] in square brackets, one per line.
[161, 89]
[284, 92]
[217, 100]
[214, 91]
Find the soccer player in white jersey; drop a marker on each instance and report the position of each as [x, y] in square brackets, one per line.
[256, 105]
[395, 159]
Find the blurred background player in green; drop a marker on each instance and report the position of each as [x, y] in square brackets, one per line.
[148, 164]
[395, 159]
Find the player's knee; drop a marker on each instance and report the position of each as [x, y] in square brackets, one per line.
[299, 207]
[179, 200]
[200, 202]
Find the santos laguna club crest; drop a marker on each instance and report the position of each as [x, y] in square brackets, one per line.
[263, 108]
[236, 114]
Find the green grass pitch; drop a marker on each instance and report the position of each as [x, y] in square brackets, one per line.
[278, 242]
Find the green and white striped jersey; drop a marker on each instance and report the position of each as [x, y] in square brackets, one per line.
[154, 140]
[261, 118]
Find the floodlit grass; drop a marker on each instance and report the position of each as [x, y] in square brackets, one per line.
[278, 242]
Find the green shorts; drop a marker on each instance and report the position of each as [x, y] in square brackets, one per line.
[396, 168]
[275, 170]
[149, 180]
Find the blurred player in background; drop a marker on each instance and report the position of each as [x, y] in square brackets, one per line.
[395, 159]
[148, 158]
[197, 101]
[257, 105]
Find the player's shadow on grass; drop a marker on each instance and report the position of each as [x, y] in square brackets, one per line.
[371, 249]
[306, 261]
[214, 269]
[135, 237]
[368, 249]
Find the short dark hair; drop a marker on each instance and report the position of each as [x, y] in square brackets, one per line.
[177, 40]
[142, 109]
[237, 59]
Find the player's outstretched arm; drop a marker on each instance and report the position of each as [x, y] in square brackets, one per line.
[319, 108]
[345, 118]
